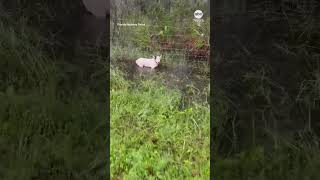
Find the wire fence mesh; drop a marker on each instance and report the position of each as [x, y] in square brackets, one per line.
[185, 38]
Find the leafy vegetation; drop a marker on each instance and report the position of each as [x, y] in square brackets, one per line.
[266, 114]
[53, 124]
[164, 26]
[158, 129]
[151, 137]
[47, 120]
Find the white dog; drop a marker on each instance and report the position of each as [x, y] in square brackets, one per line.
[145, 62]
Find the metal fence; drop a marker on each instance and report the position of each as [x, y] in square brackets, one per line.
[180, 42]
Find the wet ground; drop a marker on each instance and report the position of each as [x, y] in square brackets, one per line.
[182, 75]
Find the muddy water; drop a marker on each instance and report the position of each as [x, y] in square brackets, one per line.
[183, 76]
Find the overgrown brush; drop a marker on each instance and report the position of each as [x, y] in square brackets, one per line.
[152, 137]
[271, 131]
[48, 130]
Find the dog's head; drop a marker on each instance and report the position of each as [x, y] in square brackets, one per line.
[157, 59]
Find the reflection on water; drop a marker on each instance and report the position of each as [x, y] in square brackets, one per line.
[179, 76]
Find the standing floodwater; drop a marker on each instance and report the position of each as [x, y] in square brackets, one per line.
[180, 75]
[159, 111]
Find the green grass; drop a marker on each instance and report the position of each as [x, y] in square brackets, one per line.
[46, 124]
[271, 130]
[270, 157]
[43, 136]
[151, 137]
[51, 127]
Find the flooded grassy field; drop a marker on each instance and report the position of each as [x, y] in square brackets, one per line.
[159, 117]
[170, 104]
[183, 75]
[53, 112]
